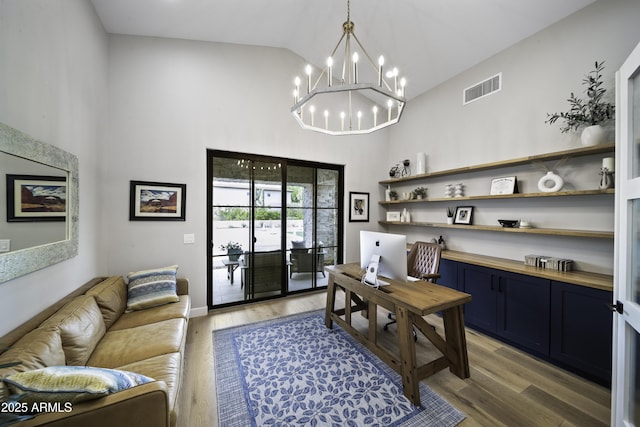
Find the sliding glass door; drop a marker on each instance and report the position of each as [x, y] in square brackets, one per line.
[273, 225]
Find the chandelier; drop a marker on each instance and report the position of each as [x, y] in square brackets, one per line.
[348, 105]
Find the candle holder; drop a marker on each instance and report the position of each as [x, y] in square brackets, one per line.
[606, 178]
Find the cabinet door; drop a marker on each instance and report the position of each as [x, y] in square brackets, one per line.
[581, 333]
[448, 274]
[480, 283]
[523, 311]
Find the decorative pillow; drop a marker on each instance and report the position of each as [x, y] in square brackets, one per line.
[151, 288]
[298, 247]
[72, 383]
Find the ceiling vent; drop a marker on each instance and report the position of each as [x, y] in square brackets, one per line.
[482, 89]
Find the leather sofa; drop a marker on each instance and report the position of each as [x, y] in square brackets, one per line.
[90, 327]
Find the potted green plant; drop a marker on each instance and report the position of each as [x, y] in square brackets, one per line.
[587, 114]
[450, 213]
[234, 250]
[393, 195]
[420, 192]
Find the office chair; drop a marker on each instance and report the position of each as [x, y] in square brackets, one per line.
[423, 262]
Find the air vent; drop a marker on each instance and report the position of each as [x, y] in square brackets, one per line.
[482, 89]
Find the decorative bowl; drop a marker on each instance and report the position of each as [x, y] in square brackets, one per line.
[508, 223]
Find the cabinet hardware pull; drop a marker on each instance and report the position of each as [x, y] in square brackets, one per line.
[618, 306]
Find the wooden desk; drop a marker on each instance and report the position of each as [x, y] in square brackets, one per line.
[410, 301]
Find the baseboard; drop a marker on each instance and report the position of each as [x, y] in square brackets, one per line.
[198, 311]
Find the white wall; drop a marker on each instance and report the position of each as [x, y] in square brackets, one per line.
[170, 101]
[538, 75]
[53, 86]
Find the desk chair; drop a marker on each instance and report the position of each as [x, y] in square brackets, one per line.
[423, 262]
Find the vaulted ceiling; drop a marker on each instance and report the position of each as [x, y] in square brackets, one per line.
[430, 41]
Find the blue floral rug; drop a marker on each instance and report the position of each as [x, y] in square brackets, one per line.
[295, 371]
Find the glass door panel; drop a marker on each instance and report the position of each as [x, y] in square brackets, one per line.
[231, 233]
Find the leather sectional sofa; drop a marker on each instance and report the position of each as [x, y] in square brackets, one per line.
[91, 327]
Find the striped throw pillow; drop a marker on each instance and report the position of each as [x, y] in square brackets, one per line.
[71, 383]
[151, 288]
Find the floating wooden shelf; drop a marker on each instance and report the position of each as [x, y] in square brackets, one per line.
[549, 231]
[583, 151]
[503, 196]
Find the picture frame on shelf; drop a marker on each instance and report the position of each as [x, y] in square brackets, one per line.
[464, 215]
[358, 207]
[35, 198]
[504, 185]
[157, 201]
[393, 216]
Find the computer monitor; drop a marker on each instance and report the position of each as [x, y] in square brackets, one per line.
[392, 249]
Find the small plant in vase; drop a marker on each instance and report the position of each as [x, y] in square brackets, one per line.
[450, 213]
[587, 114]
[393, 195]
[234, 250]
[420, 192]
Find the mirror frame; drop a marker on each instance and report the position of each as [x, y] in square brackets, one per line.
[24, 261]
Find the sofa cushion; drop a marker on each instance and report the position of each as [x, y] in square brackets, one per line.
[133, 319]
[81, 326]
[71, 383]
[151, 288]
[37, 349]
[126, 346]
[111, 296]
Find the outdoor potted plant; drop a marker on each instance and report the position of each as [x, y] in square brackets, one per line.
[234, 250]
[420, 192]
[587, 114]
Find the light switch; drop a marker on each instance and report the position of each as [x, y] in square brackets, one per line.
[5, 245]
[189, 239]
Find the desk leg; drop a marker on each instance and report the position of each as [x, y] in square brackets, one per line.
[331, 300]
[456, 340]
[407, 356]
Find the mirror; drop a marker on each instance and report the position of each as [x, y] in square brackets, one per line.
[48, 233]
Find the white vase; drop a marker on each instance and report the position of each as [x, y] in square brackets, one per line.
[421, 163]
[593, 135]
[550, 183]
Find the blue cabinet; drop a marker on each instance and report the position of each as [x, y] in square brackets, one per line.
[448, 274]
[511, 306]
[581, 337]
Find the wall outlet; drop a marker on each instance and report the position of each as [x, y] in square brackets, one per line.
[189, 239]
[5, 245]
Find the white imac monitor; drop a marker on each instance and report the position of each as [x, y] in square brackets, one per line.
[392, 249]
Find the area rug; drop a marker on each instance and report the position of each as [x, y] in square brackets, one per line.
[295, 371]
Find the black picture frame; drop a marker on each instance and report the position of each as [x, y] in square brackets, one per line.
[464, 215]
[36, 198]
[157, 201]
[358, 207]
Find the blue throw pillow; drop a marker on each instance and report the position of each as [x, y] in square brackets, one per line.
[151, 288]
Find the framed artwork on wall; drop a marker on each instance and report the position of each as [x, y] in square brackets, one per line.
[358, 207]
[463, 215]
[32, 198]
[157, 201]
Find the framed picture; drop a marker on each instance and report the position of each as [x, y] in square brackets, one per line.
[157, 201]
[463, 215]
[393, 216]
[504, 185]
[36, 198]
[358, 207]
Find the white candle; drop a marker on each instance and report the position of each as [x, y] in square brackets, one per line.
[403, 83]
[389, 104]
[380, 64]
[609, 163]
[375, 115]
[395, 79]
[329, 70]
[312, 110]
[308, 71]
[326, 119]
[359, 120]
[296, 81]
[342, 115]
[355, 67]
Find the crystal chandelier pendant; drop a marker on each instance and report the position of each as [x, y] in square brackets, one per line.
[363, 99]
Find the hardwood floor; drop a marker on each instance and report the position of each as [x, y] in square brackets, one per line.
[507, 387]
